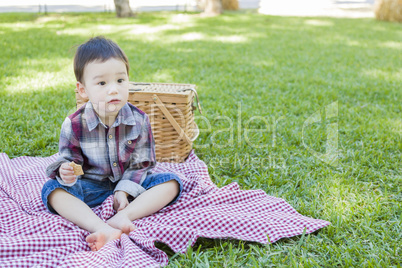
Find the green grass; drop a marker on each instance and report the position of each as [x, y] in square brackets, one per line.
[252, 72]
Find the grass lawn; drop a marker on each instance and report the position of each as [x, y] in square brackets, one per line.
[281, 96]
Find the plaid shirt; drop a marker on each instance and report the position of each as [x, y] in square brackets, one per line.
[124, 152]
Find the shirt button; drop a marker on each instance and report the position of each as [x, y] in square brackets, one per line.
[110, 136]
[129, 142]
[114, 164]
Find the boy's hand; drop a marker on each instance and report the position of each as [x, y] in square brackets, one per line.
[67, 173]
[120, 200]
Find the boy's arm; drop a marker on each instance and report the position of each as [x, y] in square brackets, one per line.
[69, 150]
[142, 160]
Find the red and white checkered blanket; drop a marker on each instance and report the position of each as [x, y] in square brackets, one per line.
[31, 236]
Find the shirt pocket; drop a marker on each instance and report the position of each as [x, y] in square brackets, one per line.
[128, 140]
[129, 145]
[128, 148]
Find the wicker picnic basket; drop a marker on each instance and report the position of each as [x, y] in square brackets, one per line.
[170, 108]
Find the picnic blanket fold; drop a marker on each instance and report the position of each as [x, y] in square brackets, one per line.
[29, 235]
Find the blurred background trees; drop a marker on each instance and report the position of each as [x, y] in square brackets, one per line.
[230, 4]
[390, 10]
[210, 7]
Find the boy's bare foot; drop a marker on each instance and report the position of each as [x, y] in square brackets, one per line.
[122, 222]
[100, 238]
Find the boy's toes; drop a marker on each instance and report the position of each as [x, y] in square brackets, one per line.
[93, 247]
[91, 239]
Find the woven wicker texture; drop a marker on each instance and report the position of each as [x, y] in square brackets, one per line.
[171, 113]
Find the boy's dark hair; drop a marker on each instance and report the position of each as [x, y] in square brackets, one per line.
[97, 48]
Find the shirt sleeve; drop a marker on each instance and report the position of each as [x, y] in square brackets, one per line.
[142, 160]
[69, 150]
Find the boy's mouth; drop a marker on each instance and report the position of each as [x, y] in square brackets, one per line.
[114, 101]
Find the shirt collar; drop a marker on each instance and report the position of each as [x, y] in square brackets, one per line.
[125, 116]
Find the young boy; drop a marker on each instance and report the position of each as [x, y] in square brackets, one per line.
[112, 141]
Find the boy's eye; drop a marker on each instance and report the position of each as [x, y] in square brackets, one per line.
[120, 80]
[102, 83]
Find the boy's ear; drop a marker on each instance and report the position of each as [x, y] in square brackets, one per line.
[81, 90]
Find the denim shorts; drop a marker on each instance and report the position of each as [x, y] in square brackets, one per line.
[93, 192]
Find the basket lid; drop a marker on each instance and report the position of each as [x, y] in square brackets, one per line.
[170, 88]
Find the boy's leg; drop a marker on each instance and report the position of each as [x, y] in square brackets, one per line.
[149, 202]
[79, 213]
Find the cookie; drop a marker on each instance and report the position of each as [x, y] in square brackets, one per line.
[77, 169]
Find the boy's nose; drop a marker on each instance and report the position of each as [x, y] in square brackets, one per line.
[113, 89]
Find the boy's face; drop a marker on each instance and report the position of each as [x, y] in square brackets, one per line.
[106, 86]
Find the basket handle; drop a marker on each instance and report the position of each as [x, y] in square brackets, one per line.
[169, 116]
[196, 96]
[197, 132]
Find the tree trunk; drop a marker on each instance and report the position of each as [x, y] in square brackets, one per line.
[213, 7]
[123, 8]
